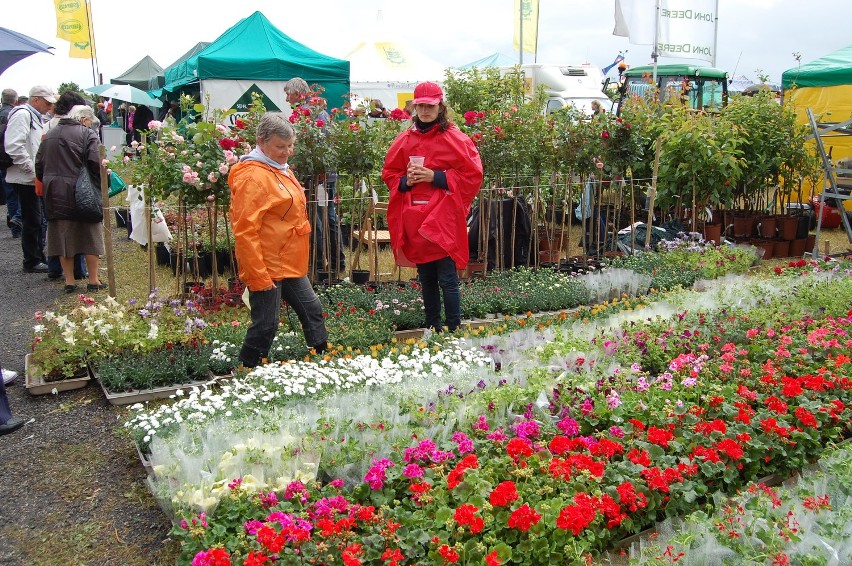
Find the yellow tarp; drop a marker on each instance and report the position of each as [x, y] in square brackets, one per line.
[828, 104]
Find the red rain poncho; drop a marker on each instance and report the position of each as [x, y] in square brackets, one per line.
[428, 223]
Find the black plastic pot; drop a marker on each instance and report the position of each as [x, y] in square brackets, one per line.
[122, 217]
[162, 254]
[360, 276]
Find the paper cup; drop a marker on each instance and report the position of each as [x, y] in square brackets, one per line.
[416, 160]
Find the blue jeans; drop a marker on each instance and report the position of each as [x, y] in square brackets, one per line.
[54, 268]
[265, 317]
[436, 277]
[13, 209]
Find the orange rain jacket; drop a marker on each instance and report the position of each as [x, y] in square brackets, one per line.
[270, 221]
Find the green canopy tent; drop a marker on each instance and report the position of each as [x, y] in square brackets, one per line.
[825, 86]
[157, 83]
[252, 56]
[140, 74]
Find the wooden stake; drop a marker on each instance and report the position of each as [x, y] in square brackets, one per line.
[110, 258]
[652, 193]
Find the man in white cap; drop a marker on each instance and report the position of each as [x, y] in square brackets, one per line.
[23, 137]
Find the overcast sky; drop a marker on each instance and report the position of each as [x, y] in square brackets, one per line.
[752, 34]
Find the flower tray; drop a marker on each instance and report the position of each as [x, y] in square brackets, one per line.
[146, 461]
[143, 395]
[36, 385]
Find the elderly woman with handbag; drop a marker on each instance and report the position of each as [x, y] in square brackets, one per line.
[65, 151]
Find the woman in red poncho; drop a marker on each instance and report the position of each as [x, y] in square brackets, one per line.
[429, 201]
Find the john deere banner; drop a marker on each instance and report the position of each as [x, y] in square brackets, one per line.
[526, 17]
[73, 24]
[685, 29]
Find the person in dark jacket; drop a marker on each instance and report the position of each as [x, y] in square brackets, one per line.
[63, 151]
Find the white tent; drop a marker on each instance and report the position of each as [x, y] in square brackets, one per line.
[389, 71]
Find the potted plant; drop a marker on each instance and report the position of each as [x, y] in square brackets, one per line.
[700, 161]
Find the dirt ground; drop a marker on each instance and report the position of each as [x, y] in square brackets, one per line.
[72, 490]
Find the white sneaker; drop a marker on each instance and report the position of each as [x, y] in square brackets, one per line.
[9, 376]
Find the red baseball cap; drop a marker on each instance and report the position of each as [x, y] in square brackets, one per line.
[428, 93]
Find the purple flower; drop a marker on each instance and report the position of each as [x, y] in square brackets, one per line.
[527, 429]
[616, 432]
[568, 426]
[295, 488]
[413, 471]
[252, 527]
[481, 424]
[499, 435]
[464, 443]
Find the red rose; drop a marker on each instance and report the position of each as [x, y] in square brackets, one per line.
[227, 143]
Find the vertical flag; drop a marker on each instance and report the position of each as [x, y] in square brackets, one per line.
[685, 29]
[526, 15]
[73, 24]
[688, 29]
[634, 19]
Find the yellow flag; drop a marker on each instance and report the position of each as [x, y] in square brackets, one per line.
[82, 50]
[73, 23]
[526, 15]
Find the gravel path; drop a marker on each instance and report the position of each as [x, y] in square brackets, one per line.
[72, 490]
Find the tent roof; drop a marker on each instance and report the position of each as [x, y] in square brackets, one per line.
[197, 48]
[392, 61]
[254, 49]
[494, 60]
[831, 70]
[739, 83]
[140, 74]
[160, 79]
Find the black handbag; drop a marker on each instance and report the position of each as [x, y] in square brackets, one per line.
[87, 197]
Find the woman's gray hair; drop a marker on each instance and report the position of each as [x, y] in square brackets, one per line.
[296, 85]
[275, 124]
[81, 111]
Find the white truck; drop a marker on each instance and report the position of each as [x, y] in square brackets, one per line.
[565, 85]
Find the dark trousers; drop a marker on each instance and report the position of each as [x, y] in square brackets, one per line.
[5, 411]
[81, 271]
[265, 316]
[326, 227]
[437, 277]
[32, 237]
[13, 209]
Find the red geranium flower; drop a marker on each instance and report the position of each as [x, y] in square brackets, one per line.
[505, 493]
[448, 554]
[659, 436]
[523, 518]
[518, 447]
[806, 417]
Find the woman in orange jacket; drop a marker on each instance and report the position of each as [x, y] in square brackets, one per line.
[272, 239]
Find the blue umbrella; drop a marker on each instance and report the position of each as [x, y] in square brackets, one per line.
[15, 46]
[126, 93]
